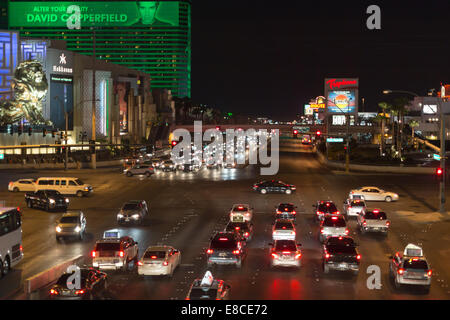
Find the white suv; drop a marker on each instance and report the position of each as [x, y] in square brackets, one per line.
[65, 185]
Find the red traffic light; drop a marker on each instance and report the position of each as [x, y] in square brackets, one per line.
[439, 171]
[295, 131]
[318, 133]
[174, 143]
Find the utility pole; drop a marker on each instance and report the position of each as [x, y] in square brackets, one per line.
[93, 155]
[66, 115]
[442, 152]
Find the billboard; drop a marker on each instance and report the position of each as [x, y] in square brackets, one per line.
[342, 101]
[95, 13]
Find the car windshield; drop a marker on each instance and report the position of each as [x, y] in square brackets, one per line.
[69, 220]
[107, 246]
[375, 215]
[283, 225]
[130, 206]
[155, 254]
[223, 242]
[52, 192]
[327, 207]
[62, 281]
[336, 223]
[203, 294]
[357, 203]
[415, 264]
[233, 225]
[79, 182]
[285, 245]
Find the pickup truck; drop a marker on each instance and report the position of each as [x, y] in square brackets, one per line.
[339, 253]
[47, 200]
[373, 220]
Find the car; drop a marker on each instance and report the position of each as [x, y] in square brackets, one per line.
[93, 284]
[340, 253]
[47, 200]
[133, 211]
[229, 165]
[286, 211]
[332, 226]
[410, 268]
[244, 229]
[168, 165]
[64, 185]
[374, 194]
[285, 253]
[208, 288]
[241, 212]
[306, 140]
[155, 163]
[159, 260]
[71, 224]
[21, 185]
[283, 229]
[352, 207]
[114, 252]
[273, 186]
[325, 207]
[139, 169]
[373, 220]
[226, 248]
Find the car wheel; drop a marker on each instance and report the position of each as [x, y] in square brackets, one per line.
[79, 193]
[129, 174]
[288, 191]
[263, 191]
[170, 273]
[125, 266]
[6, 266]
[148, 174]
[239, 264]
[426, 289]
[29, 204]
[16, 189]
[397, 285]
[362, 230]
[388, 199]
[1, 269]
[58, 239]
[326, 268]
[355, 272]
[46, 207]
[81, 236]
[209, 264]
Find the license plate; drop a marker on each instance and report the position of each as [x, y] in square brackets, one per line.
[342, 265]
[222, 254]
[127, 219]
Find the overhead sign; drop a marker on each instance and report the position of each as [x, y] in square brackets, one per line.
[95, 13]
[335, 139]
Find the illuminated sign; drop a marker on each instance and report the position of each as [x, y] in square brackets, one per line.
[9, 58]
[341, 83]
[335, 139]
[95, 13]
[308, 110]
[429, 109]
[341, 101]
[317, 105]
[63, 79]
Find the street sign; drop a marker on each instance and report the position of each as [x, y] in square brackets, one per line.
[301, 129]
[436, 156]
[335, 139]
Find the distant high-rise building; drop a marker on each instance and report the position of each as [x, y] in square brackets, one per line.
[149, 36]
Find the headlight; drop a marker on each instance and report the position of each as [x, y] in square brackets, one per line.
[58, 229]
[135, 216]
[67, 200]
[119, 215]
[77, 229]
[86, 188]
[51, 200]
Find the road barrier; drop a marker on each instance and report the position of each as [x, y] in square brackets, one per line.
[48, 276]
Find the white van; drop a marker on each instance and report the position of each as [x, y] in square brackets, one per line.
[65, 185]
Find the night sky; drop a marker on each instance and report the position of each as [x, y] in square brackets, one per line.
[269, 58]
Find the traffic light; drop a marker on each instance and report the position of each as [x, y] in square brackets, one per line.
[30, 131]
[440, 174]
[44, 132]
[318, 133]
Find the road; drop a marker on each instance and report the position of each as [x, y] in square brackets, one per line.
[187, 208]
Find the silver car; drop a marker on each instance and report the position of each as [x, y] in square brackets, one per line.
[139, 169]
[71, 224]
[352, 207]
[133, 211]
[332, 226]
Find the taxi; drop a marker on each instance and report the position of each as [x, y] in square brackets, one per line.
[208, 288]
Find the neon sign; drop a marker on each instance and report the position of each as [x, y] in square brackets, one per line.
[342, 83]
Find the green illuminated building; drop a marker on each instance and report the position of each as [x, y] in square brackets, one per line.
[150, 36]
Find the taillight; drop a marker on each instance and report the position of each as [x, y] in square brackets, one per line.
[53, 292]
[121, 253]
[165, 263]
[322, 231]
[364, 223]
[21, 248]
[246, 234]
[93, 253]
[293, 212]
[274, 255]
[237, 228]
[349, 207]
[140, 263]
[346, 231]
[401, 271]
[319, 212]
[298, 255]
[236, 252]
[79, 292]
[388, 223]
[209, 251]
[327, 255]
[358, 257]
[278, 211]
[430, 272]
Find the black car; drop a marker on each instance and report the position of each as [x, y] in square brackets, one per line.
[244, 229]
[273, 186]
[339, 253]
[47, 200]
[226, 248]
[286, 211]
[325, 207]
[93, 285]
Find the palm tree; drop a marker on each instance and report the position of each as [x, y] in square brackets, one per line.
[413, 124]
[399, 107]
[382, 118]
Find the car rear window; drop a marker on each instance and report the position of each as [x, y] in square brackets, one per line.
[418, 264]
[337, 223]
[240, 208]
[327, 207]
[375, 215]
[223, 243]
[107, 246]
[339, 249]
[286, 207]
[285, 245]
[130, 206]
[357, 203]
[283, 225]
[155, 254]
[342, 241]
[62, 281]
[201, 294]
[69, 220]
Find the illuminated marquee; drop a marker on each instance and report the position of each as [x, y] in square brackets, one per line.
[9, 57]
[341, 95]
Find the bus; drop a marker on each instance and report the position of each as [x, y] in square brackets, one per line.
[11, 251]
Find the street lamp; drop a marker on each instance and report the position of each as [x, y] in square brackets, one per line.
[65, 135]
[442, 138]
